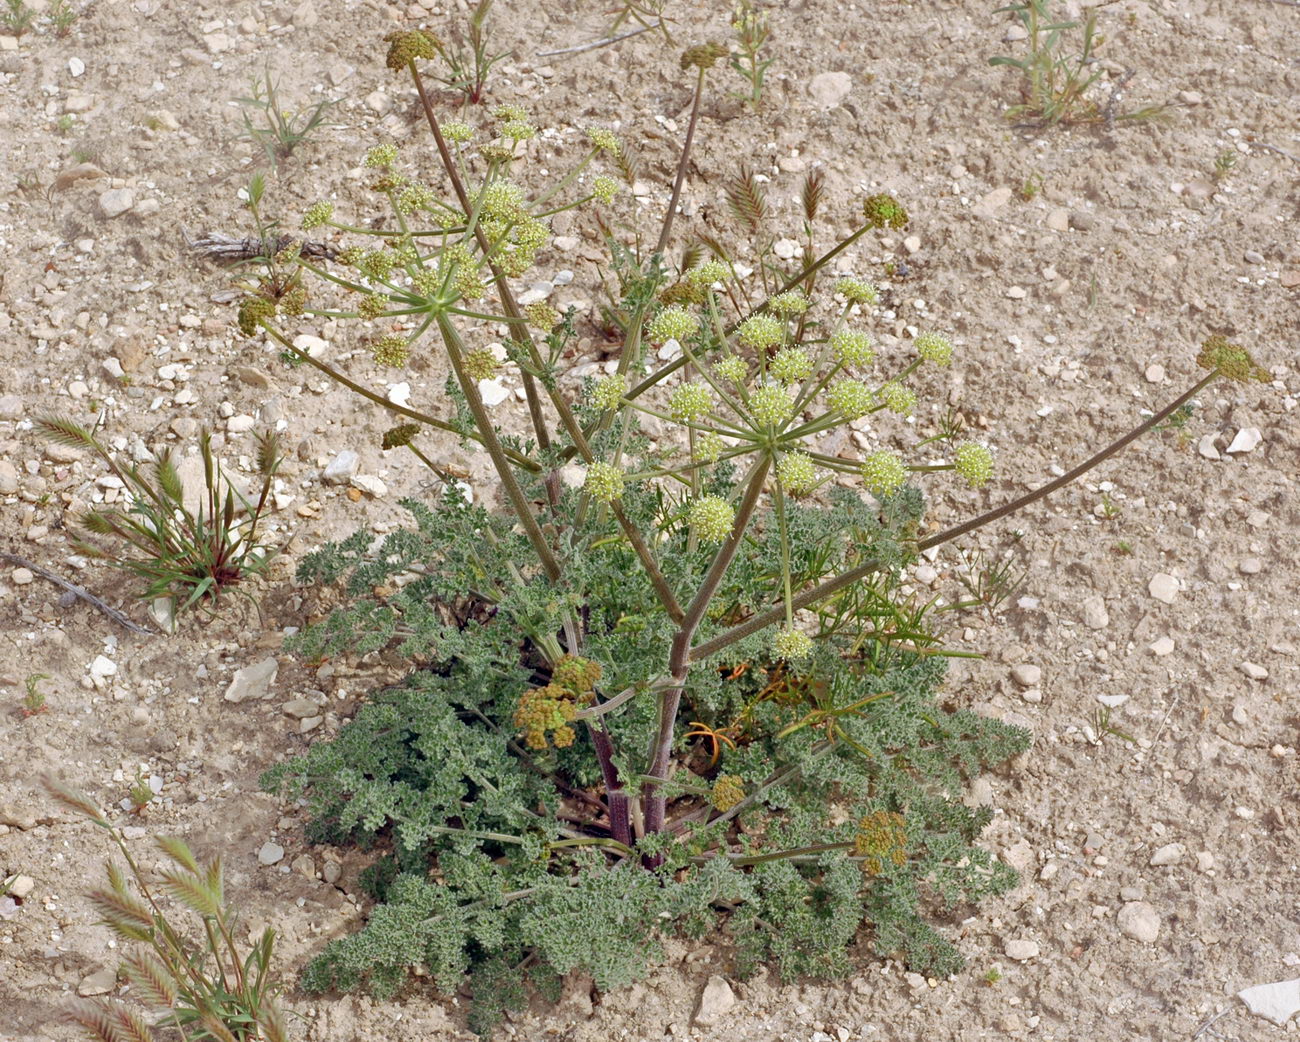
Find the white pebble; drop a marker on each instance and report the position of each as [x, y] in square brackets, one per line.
[1247, 440]
[1163, 587]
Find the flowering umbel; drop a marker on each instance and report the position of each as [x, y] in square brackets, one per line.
[405, 47]
[881, 841]
[712, 518]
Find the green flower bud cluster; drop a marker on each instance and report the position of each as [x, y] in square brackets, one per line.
[690, 402]
[883, 472]
[542, 709]
[604, 482]
[934, 347]
[797, 473]
[884, 211]
[603, 140]
[792, 645]
[457, 131]
[709, 447]
[604, 189]
[856, 291]
[1231, 361]
[372, 306]
[852, 399]
[406, 47]
[708, 273]
[792, 302]
[396, 437]
[392, 351]
[973, 462]
[672, 323]
[607, 392]
[294, 301]
[897, 398]
[852, 348]
[316, 215]
[881, 840]
[510, 113]
[413, 197]
[381, 156]
[732, 368]
[711, 517]
[760, 332]
[702, 56]
[728, 790]
[542, 316]
[252, 310]
[481, 364]
[518, 130]
[771, 405]
[790, 365]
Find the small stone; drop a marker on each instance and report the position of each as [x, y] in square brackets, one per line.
[1278, 1001]
[1253, 257]
[1162, 646]
[253, 377]
[399, 393]
[77, 102]
[22, 576]
[1140, 921]
[304, 866]
[493, 392]
[332, 872]
[912, 244]
[240, 424]
[1058, 220]
[1163, 587]
[339, 73]
[116, 201]
[1250, 566]
[1169, 854]
[341, 468]
[304, 15]
[716, 1001]
[1017, 292]
[1190, 97]
[270, 854]
[992, 201]
[310, 724]
[378, 102]
[1032, 695]
[76, 66]
[786, 249]
[21, 886]
[1027, 675]
[11, 407]
[101, 982]
[1204, 861]
[829, 89]
[1253, 671]
[8, 43]
[1155, 374]
[1290, 278]
[1015, 32]
[312, 346]
[300, 708]
[8, 478]
[370, 485]
[1206, 447]
[103, 667]
[253, 681]
[217, 43]
[1095, 615]
[1082, 221]
[1247, 440]
[1020, 950]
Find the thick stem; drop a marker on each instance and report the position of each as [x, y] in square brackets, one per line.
[620, 824]
[679, 660]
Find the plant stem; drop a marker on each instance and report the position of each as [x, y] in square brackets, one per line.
[666, 231]
[848, 578]
[455, 352]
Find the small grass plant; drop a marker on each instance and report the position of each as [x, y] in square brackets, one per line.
[17, 18]
[1060, 69]
[466, 56]
[34, 699]
[191, 553]
[276, 131]
[750, 59]
[677, 685]
[186, 967]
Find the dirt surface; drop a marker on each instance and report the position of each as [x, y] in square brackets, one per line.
[1073, 310]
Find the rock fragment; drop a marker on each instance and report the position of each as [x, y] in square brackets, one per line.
[1140, 921]
[253, 681]
[716, 1001]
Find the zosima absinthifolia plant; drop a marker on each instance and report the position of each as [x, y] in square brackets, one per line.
[677, 685]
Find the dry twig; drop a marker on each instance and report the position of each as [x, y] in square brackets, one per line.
[79, 591]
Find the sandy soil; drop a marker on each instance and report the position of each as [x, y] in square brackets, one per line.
[1074, 311]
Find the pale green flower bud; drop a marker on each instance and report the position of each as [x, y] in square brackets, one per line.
[372, 306]
[608, 391]
[792, 645]
[732, 368]
[604, 189]
[712, 518]
[898, 398]
[791, 302]
[973, 462]
[708, 273]
[603, 140]
[852, 399]
[518, 130]
[853, 348]
[481, 363]
[456, 131]
[761, 332]
[412, 197]
[391, 351]
[316, 215]
[934, 347]
[797, 473]
[690, 402]
[709, 447]
[790, 365]
[604, 482]
[857, 291]
[883, 472]
[381, 155]
[771, 405]
[510, 112]
[672, 323]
